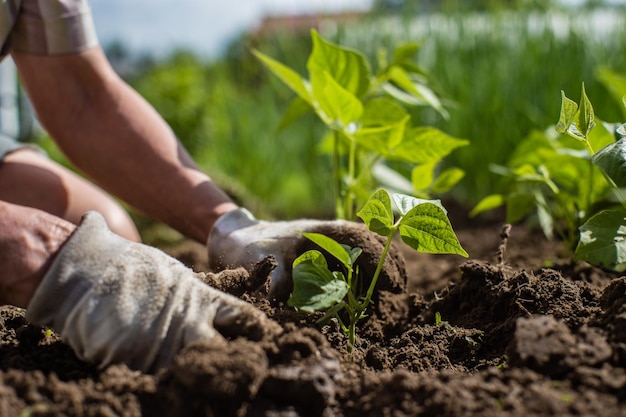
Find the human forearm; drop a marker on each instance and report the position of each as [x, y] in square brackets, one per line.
[115, 137]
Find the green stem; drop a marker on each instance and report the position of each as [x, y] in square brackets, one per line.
[379, 267]
[339, 210]
[350, 197]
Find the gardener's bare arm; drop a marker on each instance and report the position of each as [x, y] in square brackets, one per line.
[28, 242]
[114, 136]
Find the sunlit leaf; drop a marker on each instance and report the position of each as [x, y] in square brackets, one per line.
[337, 106]
[331, 246]
[377, 213]
[426, 228]
[490, 202]
[315, 288]
[287, 75]
[347, 67]
[569, 108]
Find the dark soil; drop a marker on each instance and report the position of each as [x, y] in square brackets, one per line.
[522, 332]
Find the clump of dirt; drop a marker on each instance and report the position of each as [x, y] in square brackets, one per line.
[517, 330]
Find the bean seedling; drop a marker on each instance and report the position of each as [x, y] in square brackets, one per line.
[367, 122]
[575, 189]
[422, 224]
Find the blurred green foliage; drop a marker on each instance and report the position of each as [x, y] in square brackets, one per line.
[500, 74]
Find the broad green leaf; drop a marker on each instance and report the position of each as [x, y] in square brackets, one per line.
[447, 179]
[490, 202]
[382, 125]
[287, 75]
[406, 203]
[603, 240]
[423, 175]
[334, 104]
[347, 67]
[569, 108]
[612, 160]
[377, 213]
[426, 228]
[425, 144]
[585, 120]
[297, 108]
[331, 246]
[315, 288]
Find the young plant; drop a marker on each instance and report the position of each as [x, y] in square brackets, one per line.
[367, 122]
[575, 190]
[422, 224]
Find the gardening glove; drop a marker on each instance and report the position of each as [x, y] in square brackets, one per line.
[117, 301]
[238, 239]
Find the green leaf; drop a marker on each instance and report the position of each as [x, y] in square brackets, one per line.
[331, 246]
[421, 92]
[426, 228]
[585, 114]
[612, 160]
[603, 240]
[422, 176]
[334, 104]
[311, 255]
[286, 75]
[382, 125]
[347, 67]
[490, 202]
[377, 213]
[406, 203]
[297, 108]
[569, 108]
[447, 179]
[315, 288]
[405, 52]
[425, 144]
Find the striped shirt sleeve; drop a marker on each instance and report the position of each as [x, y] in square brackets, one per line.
[50, 27]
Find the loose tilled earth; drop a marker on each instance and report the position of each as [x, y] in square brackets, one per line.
[522, 332]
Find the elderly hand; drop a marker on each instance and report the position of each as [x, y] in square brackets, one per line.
[239, 240]
[113, 300]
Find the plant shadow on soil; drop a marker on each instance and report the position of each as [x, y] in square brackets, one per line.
[516, 338]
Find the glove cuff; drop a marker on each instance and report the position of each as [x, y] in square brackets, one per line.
[230, 222]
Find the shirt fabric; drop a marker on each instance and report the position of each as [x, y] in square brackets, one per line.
[46, 27]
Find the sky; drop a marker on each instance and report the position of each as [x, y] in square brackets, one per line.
[205, 26]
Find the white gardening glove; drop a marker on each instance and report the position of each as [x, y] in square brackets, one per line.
[238, 239]
[116, 301]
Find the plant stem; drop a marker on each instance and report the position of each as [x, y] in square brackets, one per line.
[350, 197]
[379, 267]
[339, 208]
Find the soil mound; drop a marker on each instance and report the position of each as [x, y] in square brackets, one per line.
[503, 337]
